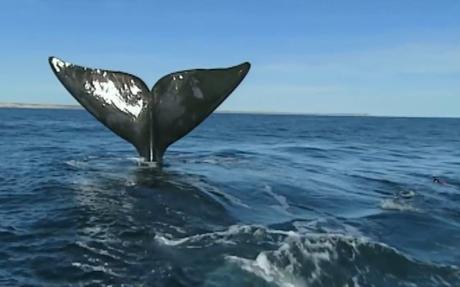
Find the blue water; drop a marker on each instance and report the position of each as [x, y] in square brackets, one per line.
[244, 200]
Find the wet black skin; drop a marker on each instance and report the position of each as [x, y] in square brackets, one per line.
[177, 103]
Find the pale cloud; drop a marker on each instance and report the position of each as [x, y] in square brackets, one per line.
[414, 58]
[279, 89]
[410, 79]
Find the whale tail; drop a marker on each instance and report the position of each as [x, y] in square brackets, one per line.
[151, 120]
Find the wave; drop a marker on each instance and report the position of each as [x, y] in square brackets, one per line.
[397, 204]
[292, 258]
[281, 200]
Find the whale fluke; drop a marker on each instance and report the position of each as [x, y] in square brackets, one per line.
[150, 120]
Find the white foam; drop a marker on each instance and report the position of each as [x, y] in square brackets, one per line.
[407, 193]
[211, 238]
[283, 203]
[217, 160]
[142, 162]
[98, 268]
[395, 204]
[97, 250]
[170, 242]
[76, 163]
[293, 258]
[263, 268]
[212, 190]
[175, 228]
[285, 266]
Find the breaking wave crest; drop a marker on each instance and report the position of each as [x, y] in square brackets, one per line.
[292, 258]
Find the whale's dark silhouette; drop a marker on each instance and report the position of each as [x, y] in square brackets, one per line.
[150, 120]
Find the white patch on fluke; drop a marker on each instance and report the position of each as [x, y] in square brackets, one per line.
[58, 64]
[134, 89]
[197, 93]
[109, 93]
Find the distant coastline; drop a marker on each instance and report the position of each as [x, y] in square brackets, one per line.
[294, 114]
[38, 106]
[77, 107]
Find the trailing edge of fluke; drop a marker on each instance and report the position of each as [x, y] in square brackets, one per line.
[151, 120]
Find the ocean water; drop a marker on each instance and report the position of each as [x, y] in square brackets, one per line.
[244, 200]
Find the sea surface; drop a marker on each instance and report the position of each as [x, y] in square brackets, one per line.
[243, 200]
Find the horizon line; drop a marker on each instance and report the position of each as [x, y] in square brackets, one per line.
[79, 107]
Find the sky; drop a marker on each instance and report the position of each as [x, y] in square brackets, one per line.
[394, 58]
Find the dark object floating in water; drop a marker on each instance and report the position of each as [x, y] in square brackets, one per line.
[150, 120]
[437, 180]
